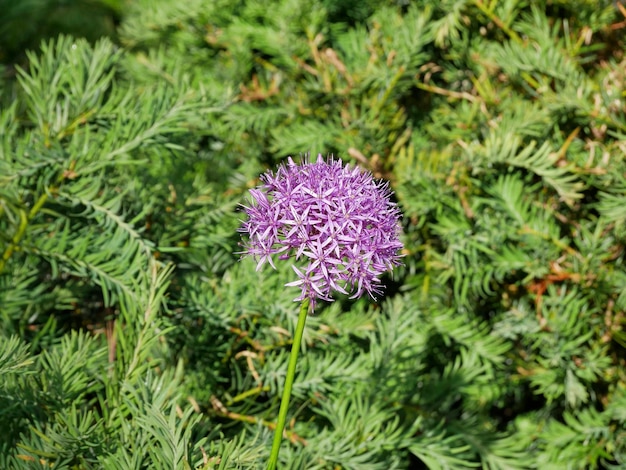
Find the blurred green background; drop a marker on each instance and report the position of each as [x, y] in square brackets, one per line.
[25, 23]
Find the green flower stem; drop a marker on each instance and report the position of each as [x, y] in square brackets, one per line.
[291, 372]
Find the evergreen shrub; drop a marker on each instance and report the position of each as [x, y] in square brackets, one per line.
[132, 336]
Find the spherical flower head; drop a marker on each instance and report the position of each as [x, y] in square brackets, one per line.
[335, 223]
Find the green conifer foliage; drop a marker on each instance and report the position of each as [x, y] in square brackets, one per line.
[132, 337]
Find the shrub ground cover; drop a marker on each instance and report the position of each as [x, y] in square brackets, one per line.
[132, 336]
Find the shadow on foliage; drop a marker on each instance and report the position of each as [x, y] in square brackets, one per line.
[24, 24]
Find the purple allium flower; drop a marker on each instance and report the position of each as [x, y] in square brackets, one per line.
[337, 224]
